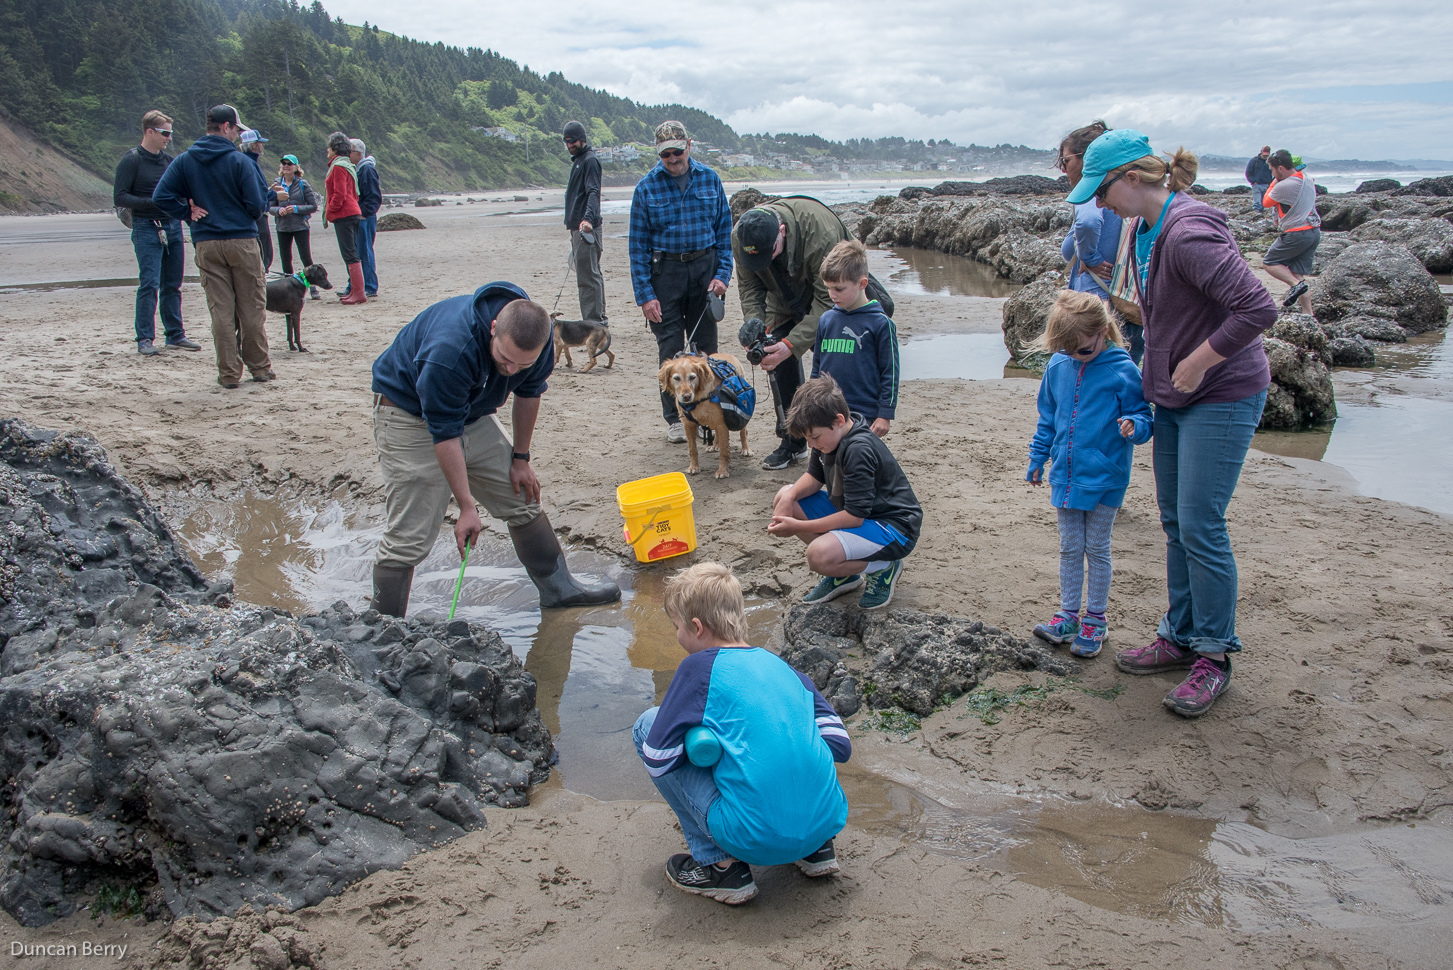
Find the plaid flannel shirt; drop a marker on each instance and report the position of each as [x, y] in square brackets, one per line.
[665, 218]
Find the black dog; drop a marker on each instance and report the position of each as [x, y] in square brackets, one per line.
[286, 296]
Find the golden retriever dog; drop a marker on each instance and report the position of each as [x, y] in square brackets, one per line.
[691, 381]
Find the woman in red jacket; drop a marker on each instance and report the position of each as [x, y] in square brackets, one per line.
[342, 210]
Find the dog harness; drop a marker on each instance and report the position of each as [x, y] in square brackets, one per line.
[734, 395]
[302, 279]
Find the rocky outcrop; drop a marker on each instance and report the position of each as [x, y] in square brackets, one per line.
[1019, 238]
[216, 756]
[1026, 314]
[1430, 240]
[1378, 185]
[1382, 281]
[1301, 390]
[397, 222]
[1441, 187]
[748, 198]
[906, 659]
[1008, 185]
[1351, 351]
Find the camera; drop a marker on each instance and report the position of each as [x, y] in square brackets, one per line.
[753, 337]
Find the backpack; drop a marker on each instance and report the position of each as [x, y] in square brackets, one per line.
[737, 398]
[1121, 289]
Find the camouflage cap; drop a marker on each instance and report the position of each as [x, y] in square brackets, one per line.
[671, 134]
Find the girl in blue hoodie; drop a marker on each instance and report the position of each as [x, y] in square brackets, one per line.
[1091, 415]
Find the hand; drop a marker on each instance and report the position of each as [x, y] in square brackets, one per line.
[879, 427]
[652, 311]
[467, 529]
[1035, 475]
[585, 225]
[282, 194]
[784, 501]
[717, 287]
[198, 213]
[775, 354]
[785, 525]
[1106, 270]
[1187, 376]
[522, 476]
[1127, 428]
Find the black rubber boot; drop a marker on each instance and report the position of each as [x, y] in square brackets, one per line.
[391, 589]
[540, 553]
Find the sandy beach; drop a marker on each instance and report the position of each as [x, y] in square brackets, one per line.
[1331, 746]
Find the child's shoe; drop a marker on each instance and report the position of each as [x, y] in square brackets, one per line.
[878, 591]
[1208, 680]
[1090, 638]
[831, 587]
[1061, 629]
[732, 885]
[823, 862]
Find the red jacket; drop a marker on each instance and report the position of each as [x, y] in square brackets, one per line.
[342, 194]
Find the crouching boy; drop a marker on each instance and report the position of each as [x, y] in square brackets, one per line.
[853, 507]
[772, 795]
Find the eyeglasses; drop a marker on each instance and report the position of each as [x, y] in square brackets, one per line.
[673, 153]
[1105, 186]
[164, 132]
[1063, 164]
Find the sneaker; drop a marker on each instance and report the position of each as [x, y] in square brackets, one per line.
[1090, 638]
[732, 885]
[831, 587]
[676, 434]
[879, 587]
[313, 293]
[1196, 694]
[1294, 294]
[146, 348]
[1154, 658]
[183, 343]
[823, 862]
[1061, 629]
[786, 454]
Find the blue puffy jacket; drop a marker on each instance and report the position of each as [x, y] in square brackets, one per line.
[1094, 239]
[219, 178]
[1080, 407]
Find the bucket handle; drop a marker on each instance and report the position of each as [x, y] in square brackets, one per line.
[649, 522]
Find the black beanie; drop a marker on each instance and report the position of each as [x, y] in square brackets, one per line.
[574, 131]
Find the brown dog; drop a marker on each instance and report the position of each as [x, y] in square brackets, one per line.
[578, 333]
[691, 381]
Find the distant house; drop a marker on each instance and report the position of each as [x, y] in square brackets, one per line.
[504, 133]
[738, 160]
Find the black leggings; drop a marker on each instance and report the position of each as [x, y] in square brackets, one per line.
[285, 243]
[347, 232]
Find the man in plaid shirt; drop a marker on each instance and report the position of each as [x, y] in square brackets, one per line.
[681, 250]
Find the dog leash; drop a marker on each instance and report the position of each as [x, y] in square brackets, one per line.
[569, 265]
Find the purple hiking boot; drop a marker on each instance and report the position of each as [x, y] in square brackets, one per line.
[1199, 691]
[1154, 658]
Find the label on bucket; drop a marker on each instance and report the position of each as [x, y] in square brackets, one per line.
[671, 547]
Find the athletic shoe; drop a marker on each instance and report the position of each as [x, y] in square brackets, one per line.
[786, 454]
[1090, 639]
[732, 885]
[1294, 294]
[313, 293]
[1199, 691]
[831, 587]
[1061, 629]
[1155, 658]
[879, 586]
[183, 343]
[676, 434]
[146, 348]
[823, 862]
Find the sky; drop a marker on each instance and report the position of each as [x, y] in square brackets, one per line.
[1333, 79]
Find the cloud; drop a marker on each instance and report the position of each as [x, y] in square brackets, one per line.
[1343, 79]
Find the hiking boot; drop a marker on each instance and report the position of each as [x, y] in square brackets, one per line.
[1155, 658]
[732, 885]
[831, 587]
[878, 591]
[823, 862]
[146, 348]
[787, 453]
[183, 343]
[676, 434]
[230, 385]
[1294, 294]
[263, 376]
[1090, 638]
[1061, 629]
[1196, 694]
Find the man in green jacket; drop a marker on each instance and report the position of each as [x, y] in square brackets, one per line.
[778, 248]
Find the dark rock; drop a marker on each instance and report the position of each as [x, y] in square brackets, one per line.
[913, 193]
[1430, 240]
[748, 198]
[1301, 330]
[1378, 185]
[1026, 313]
[1331, 246]
[1383, 280]
[397, 222]
[958, 188]
[1301, 393]
[1351, 352]
[1199, 189]
[1441, 186]
[1027, 185]
[1344, 214]
[1236, 190]
[1321, 190]
[430, 203]
[1380, 329]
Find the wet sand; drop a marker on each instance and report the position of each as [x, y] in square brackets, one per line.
[1336, 723]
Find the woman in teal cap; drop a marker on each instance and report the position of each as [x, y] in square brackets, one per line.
[293, 202]
[1207, 375]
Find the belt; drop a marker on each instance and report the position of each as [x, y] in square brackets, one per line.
[379, 401]
[684, 257]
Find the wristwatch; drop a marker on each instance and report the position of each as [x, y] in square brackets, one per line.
[520, 456]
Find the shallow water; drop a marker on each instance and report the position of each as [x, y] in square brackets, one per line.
[965, 356]
[128, 283]
[929, 273]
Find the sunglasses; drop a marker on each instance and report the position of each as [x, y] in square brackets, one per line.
[1105, 186]
[1087, 351]
[164, 132]
[673, 153]
[1063, 164]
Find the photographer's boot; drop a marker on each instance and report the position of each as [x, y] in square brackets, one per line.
[540, 553]
[391, 587]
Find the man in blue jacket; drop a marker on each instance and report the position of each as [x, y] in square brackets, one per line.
[370, 200]
[436, 391]
[220, 192]
[1258, 173]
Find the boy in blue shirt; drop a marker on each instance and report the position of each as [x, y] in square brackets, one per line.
[857, 342]
[773, 796]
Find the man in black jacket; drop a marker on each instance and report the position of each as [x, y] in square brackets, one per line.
[156, 238]
[1258, 173]
[582, 218]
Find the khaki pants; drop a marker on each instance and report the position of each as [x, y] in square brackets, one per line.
[588, 281]
[416, 494]
[236, 288]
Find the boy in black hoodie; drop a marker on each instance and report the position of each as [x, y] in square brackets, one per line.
[853, 507]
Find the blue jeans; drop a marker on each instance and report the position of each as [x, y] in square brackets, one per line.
[367, 229]
[1198, 452]
[1258, 192]
[159, 274]
[689, 791]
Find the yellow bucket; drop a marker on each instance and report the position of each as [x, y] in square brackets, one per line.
[657, 510]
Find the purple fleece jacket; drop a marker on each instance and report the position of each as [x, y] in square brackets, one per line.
[1200, 288]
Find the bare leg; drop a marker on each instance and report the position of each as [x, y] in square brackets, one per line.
[1285, 275]
[825, 557]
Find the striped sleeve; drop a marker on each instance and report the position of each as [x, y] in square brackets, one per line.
[683, 708]
[829, 725]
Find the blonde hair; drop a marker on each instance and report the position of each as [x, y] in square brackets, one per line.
[1181, 169]
[155, 119]
[710, 593]
[1076, 317]
[847, 263]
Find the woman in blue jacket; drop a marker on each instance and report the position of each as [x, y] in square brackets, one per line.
[1091, 415]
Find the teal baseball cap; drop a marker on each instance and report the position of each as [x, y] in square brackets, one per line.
[1105, 154]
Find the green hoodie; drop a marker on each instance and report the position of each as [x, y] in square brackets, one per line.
[812, 231]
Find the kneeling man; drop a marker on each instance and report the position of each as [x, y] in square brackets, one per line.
[435, 393]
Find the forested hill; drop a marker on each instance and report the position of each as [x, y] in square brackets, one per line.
[80, 74]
